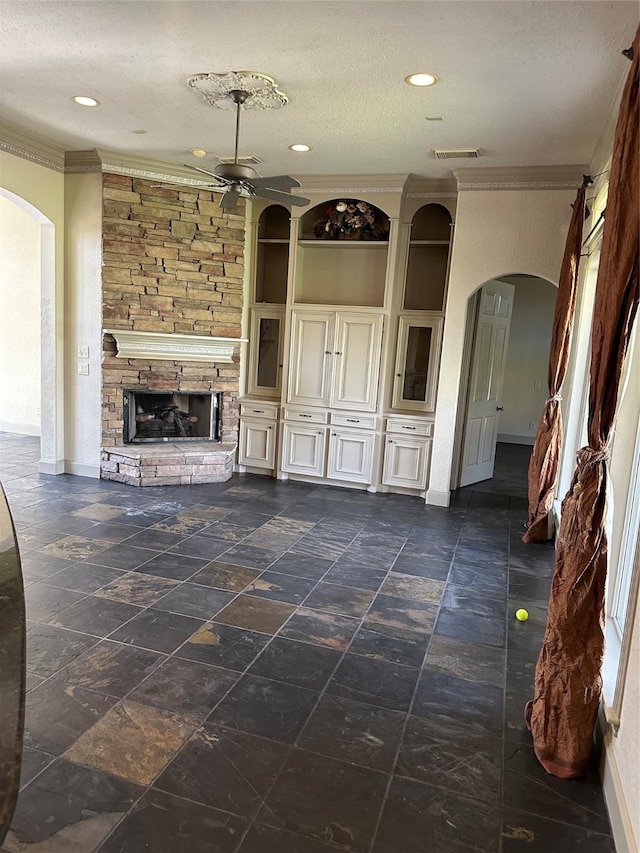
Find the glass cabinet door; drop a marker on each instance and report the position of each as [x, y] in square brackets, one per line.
[265, 354]
[417, 362]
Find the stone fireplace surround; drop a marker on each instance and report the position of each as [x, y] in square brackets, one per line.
[173, 263]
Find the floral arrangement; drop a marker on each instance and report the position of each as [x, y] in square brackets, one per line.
[351, 217]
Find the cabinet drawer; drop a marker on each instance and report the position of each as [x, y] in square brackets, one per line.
[307, 417]
[259, 410]
[406, 462]
[356, 421]
[410, 427]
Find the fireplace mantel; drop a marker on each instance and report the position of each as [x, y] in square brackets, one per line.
[174, 347]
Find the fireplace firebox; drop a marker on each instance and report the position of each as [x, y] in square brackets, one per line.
[158, 416]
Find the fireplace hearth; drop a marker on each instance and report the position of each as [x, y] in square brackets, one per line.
[151, 417]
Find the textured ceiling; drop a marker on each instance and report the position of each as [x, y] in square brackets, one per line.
[529, 83]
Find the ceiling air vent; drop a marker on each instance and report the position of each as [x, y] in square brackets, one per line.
[250, 160]
[453, 153]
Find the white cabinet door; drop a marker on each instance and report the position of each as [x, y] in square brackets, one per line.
[415, 383]
[311, 357]
[350, 455]
[406, 461]
[357, 362]
[265, 352]
[303, 449]
[257, 443]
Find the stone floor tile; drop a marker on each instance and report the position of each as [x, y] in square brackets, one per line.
[459, 703]
[167, 824]
[190, 599]
[387, 685]
[342, 600]
[157, 630]
[223, 645]
[226, 576]
[132, 740]
[296, 663]
[321, 629]
[111, 668]
[326, 800]
[225, 769]
[522, 831]
[256, 614]
[266, 708]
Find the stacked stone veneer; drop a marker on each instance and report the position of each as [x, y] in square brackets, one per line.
[173, 261]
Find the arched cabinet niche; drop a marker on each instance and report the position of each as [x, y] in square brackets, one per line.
[342, 254]
[269, 292]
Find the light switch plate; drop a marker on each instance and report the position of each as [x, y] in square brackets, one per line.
[83, 368]
[83, 352]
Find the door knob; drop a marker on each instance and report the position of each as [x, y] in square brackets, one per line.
[499, 408]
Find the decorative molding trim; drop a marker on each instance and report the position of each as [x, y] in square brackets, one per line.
[82, 161]
[432, 195]
[522, 178]
[56, 467]
[159, 172]
[344, 191]
[21, 144]
[436, 498]
[159, 346]
[614, 795]
[20, 428]
[81, 469]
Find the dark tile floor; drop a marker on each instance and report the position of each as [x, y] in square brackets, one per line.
[264, 667]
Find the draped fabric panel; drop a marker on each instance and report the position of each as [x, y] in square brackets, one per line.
[545, 456]
[562, 714]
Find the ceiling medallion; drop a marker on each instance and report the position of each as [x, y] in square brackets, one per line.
[215, 89]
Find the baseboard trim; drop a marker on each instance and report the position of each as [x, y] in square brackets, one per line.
[613, 789]
[509, 438]
[81, 469]
[436, 498]
[56, 467]
[20, 429]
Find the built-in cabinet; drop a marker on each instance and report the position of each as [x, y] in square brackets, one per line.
[336, 356]
[345, 331]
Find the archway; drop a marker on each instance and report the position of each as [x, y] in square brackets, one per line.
[38, 322]
[504, 373]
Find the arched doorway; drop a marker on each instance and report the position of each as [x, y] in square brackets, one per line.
[31, 370]
[504, 375]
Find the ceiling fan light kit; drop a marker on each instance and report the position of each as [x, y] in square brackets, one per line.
[246, 90]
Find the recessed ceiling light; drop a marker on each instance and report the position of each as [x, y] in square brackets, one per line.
[421, 79]
[198, 152]
[300, 146]
[86, 101]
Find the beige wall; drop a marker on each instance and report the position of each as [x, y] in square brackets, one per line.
[43, 189]
[83, 319]
[497, 232]
[19, 320]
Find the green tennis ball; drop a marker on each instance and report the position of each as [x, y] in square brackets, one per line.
[522, 615]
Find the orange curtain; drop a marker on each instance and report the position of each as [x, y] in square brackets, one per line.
[562, 714]
[545, 456]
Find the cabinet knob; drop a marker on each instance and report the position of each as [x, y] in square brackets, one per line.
[399, 375]
[319, 432]
[499, 408]
[338, 353]
[327, 352]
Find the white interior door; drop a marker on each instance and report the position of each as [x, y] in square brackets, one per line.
[488, 362]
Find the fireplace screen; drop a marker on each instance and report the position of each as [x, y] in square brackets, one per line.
[153, 416]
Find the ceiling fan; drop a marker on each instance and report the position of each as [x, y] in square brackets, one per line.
[239, 179]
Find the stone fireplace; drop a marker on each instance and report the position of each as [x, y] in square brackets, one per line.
[173, 266]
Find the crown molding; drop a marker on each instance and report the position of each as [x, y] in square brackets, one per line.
[418, 187]
[82, 161]
[153, 170]
[21, 144]
[349, 184]
[520, 178]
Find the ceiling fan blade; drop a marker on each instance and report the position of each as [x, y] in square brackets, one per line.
[276, 195]
[223, 181]
[230, 198]
[275, 181]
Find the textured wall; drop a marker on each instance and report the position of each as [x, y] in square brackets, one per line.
[173, 261]
[19, 310]
[497, 232]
